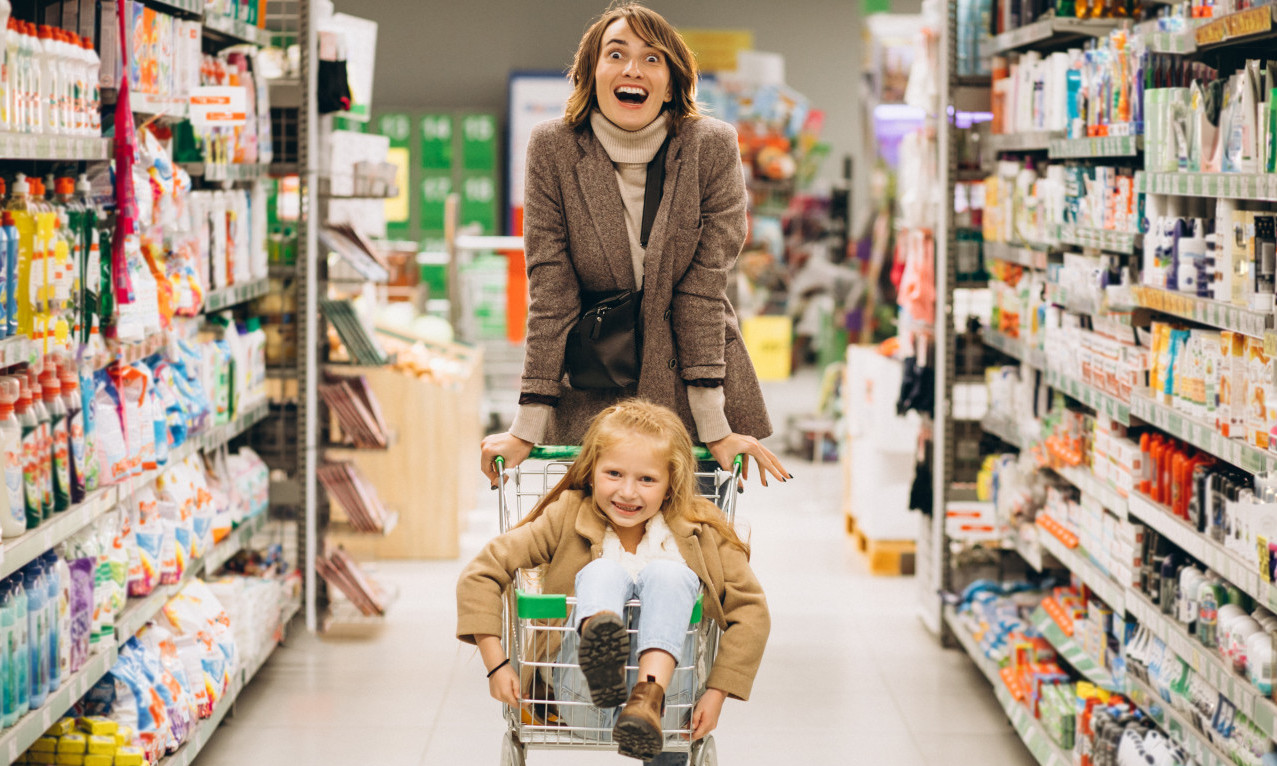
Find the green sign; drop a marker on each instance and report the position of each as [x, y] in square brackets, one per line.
[436, 142]
[435, 188]
[479, 202]
[479, 142]
[397, 127]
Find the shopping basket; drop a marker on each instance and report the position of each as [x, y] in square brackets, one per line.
[536, 625]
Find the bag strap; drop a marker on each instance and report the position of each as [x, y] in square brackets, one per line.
[653, 190]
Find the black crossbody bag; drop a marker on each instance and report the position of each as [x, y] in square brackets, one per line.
[605, 346]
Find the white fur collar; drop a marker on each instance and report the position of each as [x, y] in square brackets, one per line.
[658, 544]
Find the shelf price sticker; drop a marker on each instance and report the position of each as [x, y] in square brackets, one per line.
[215, 106]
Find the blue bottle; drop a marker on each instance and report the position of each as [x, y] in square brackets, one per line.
[37, 639]
[53, 590]
[11, 269]
[8, 658]
[21, 660]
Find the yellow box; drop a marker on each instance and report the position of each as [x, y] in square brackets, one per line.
[102, 744]
[129, 756]
[124, 736]
[75, 742]
[99, 760]
[63, 726]
[70, 759]
[45, 744]
[769, 340]
[43, 759]
[98, 725]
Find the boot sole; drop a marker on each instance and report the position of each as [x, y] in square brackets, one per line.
[604, 648]
[636, 738]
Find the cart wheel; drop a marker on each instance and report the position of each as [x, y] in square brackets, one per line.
[512, 751]
[704, 753]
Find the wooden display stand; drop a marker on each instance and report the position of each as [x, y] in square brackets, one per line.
[427, 473]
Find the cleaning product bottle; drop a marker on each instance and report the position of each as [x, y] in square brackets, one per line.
[94, 69]
[70, 384]
[44, 445]
[13, 521]
[4, 275]
[9, 652]
[8, 52]
[30, 447]
[60, 447]
[71, 288]
[23, 216]
[38, 676]
[44, 80]
[10, 257]
[59, 580]
[22, 644]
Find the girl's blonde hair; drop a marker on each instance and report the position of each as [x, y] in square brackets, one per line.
[652, 28]
[639, 417]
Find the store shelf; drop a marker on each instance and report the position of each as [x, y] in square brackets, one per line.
[221, 172]
[1028, 141]
[1031, 732]
[1086, 483]
[346, 528]
[1050, 32]
[166, 108]
[1222, 316]
[235, 294]
[1077, 562]
[1206, 662]
[1248, 186]
[235, 542]
[1027, 257]
[1072, 652]
[1102, 146]
[16, 739]
[1172, 721]
[1240, 28]
[1201, 434]
[233, 31]
[28, 146]
[1102, 403]
[1100, 239]
[1003, 429]
[1227, 563]
[1031, 550]
[22, 550]
[1014, 347]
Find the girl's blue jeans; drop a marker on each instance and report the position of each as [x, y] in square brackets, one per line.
[668, 591]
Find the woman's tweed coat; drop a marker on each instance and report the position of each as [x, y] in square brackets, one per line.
[576, 240]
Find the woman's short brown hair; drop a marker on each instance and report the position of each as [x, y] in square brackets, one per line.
[652, 28]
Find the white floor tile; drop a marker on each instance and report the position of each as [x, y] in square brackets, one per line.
[850, 675]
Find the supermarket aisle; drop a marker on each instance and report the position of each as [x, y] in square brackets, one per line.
[850, 674]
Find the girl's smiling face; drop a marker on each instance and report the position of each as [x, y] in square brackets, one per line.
[630, 482]
[632, 79]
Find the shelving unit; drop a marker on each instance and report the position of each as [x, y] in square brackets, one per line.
[1047, 33]
[16, 739]
[1223, 316]
[235, 295]
[1173, 721]
[1023, 256]
[28, 146]
[1261, 187]
[1100, 239]
[1032, 141]
[1073, 653]
[1092, 148]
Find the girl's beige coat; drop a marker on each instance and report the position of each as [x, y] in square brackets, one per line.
[569, 535]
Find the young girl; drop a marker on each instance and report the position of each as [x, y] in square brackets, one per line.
[625, 522]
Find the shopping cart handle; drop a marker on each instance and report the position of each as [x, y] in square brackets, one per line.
[569, 452]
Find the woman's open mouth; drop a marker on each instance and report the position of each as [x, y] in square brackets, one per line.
[631, 95]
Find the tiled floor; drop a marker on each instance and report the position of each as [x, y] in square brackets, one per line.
[850, 675]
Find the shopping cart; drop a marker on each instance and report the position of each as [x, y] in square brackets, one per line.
[536, 626]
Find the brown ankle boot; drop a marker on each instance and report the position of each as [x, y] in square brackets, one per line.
[638, 729]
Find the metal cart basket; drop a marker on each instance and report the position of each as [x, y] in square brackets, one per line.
[536, 625]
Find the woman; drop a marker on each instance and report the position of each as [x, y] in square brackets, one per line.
[635, 86]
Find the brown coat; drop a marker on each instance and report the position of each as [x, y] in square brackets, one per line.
[569, 535]
[575, 235]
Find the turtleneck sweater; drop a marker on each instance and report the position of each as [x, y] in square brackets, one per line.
[630, 152]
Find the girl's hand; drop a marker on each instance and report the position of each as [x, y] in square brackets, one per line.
[505, 445]
[705, 716]
[726, 449]
[504, 686]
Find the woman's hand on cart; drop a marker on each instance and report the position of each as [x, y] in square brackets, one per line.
[705, 716]
[507, 446]
[726, 449]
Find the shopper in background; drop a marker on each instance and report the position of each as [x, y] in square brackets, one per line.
[625, 522]
[635, 85]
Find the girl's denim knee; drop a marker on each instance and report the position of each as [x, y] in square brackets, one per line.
[668, 591]
[602, 585]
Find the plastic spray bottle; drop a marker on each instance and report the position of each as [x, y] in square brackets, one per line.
[9, 75]
[70, 383]
[14, 521]
[60, 446]
[59, 594]
[9, 651]
[11, 274]
[24, 224]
